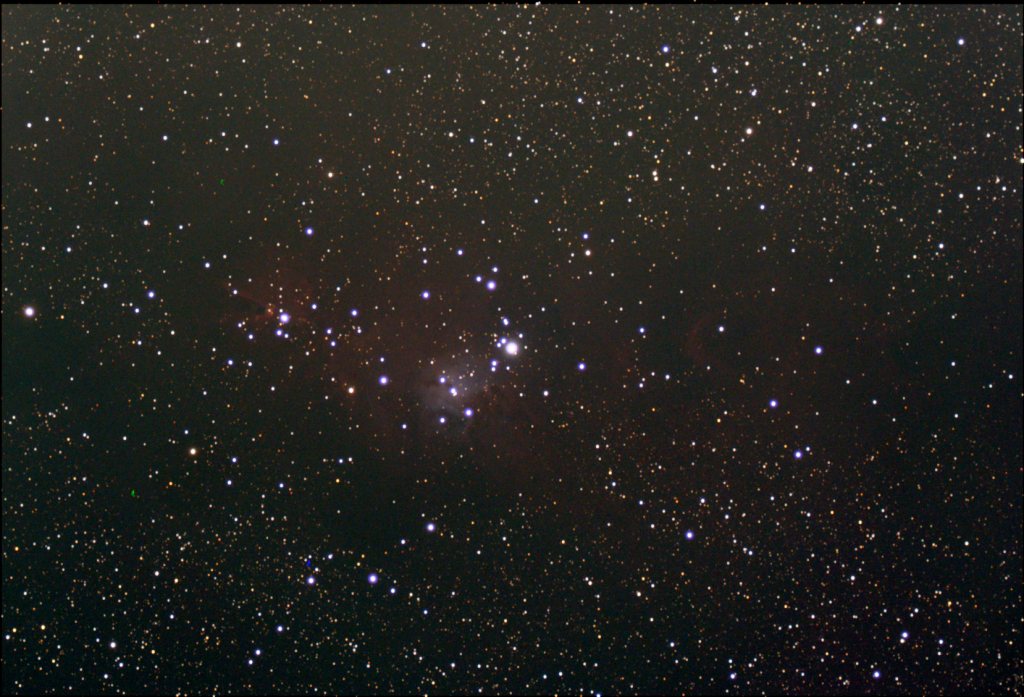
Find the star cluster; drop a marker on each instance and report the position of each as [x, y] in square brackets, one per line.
[512, 350]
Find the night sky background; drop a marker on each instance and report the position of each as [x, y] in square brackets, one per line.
[512, 350]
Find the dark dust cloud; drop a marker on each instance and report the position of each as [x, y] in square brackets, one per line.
[516, 349]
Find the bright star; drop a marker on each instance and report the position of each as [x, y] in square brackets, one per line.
[512, 348]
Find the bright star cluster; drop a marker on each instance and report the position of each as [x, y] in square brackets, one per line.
[512, 349]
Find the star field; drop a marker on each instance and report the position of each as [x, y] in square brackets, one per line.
[512, 350]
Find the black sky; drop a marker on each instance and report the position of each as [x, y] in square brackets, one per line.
[512, 350]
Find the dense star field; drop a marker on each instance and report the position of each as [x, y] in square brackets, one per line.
[515, 349]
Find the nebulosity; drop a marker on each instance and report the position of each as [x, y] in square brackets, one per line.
[522, 350]
[449, 393]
